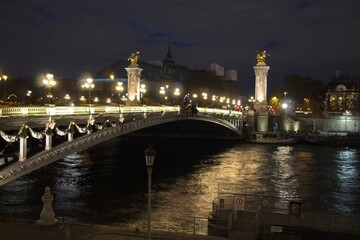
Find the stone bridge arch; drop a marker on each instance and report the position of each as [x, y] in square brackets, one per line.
[48, 156]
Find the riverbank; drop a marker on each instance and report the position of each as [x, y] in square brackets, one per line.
[65, 231]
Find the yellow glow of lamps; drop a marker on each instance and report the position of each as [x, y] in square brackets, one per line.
[4, 77]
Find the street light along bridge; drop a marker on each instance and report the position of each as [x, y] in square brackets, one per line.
[131, 118]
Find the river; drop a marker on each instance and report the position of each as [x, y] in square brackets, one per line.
[107, 183]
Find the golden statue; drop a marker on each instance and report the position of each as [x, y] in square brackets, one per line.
[133, 59]
[260, 56]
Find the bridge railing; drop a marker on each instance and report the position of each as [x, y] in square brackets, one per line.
[80, 110]
[99, 109]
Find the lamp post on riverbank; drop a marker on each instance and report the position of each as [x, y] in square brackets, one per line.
[149, 158]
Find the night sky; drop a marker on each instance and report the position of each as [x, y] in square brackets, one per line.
[71, 37]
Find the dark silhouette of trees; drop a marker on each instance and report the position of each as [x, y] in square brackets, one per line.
[203, 81]
[298, 88]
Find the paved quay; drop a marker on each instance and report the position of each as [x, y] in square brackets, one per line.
[66, 231]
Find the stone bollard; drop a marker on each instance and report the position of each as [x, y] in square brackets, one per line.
[47, 215]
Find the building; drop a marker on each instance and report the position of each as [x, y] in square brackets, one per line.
[167, 74]
[342, 96]
[163, 79]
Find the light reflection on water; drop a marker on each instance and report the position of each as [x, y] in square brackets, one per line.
[111, 183]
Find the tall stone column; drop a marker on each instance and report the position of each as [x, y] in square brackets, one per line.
[260, 104]
[134, 73]
[261, 72]
[133, 87]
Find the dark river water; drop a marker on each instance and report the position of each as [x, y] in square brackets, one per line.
[107, 184]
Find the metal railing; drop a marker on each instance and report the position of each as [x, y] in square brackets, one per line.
[269, 208]
[99, 109]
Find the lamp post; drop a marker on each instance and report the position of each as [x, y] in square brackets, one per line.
[49, 82]
[67, 98]
[4, 77]
[89, 85]
[162, 94]
[205, 96]
[119, 87]
[149, 158]
[177, 94]
[111, 78]
[142, 92]
[251, 102]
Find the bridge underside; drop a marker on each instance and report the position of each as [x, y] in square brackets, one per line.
[20, 168]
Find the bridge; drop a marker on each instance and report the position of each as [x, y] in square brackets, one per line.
[102, 124]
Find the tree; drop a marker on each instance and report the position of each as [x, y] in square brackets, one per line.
[299, 88]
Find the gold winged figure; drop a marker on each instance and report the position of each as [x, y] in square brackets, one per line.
[133, 59]
[261, 56]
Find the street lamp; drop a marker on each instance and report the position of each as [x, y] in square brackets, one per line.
[176, 94]
[67, 98]
[4, 77]
[49, 82]
[205, 96]
[142, 91]
[251, 102]
[28, 95]
[119, 87]
[112, 78]
[149, 158]
[89, 85]
[162, 92]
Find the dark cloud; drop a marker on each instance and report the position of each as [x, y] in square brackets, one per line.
[71, 37]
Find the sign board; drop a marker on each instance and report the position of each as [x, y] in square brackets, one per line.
[239, 202]
[295, 208]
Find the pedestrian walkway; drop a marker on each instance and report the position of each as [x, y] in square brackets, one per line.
[69, 231]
